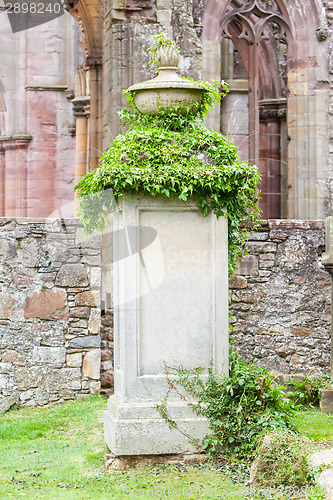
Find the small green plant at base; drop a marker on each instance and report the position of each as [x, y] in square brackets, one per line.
[239, 408]
[307, 392]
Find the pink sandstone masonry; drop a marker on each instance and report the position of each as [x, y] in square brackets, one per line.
[49, 311]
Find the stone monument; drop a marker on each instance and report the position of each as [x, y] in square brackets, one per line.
[170, 300]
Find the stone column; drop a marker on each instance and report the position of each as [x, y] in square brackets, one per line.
[16, 175]
[81, 114]
[171, 308]
[95, 123]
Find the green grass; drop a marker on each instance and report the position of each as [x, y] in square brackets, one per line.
[315, 425]
[59, 453]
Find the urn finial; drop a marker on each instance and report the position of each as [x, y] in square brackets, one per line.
[168, 91]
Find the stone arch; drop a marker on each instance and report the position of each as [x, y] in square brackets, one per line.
[303, 190]
[90, 17]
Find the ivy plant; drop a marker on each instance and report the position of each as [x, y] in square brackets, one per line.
[161, 40]
[175, 156]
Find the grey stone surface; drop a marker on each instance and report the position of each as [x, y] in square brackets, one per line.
[72, 275]
[49, 355]
[280, 300]
[177, 305]
[85, 342]
[7, 402]
[39, 280]
[326, 400]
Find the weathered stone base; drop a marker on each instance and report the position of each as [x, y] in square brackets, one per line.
[136, 428]
[112, 462]
[326, 401]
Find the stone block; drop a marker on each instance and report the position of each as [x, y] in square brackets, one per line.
[47, 304]
[92, 260]
[72, 275]
[23, 277]
[57, 250]
[300, 331]
[164, 4]
[7, 305]
[74, 360]
[79, 323]
[79, 312]
[26, 395]
[89, 298]
[237, 282]
[107, 380]
[28, 253]
[326, 400]
[94, 321]
[138, 429]
[29, 377]
[258, 236]
[94, 387]
[7, 402]
[54, 356]
[85, 342]
[64, 380]
[95, 277]
[285, 351]
[4, 250]
[42, 396]
[248, 266]
[10, 356]
[92, 364]
[164, 17]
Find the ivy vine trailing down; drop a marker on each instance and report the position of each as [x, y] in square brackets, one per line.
[174, 155]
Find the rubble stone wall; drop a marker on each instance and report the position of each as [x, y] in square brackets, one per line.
[281, 299]
[50, 277]
[52, 346]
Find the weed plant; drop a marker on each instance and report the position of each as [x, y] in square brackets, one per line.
[239, 408]
[307, 392]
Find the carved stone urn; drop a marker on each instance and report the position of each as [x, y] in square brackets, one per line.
[168, 90]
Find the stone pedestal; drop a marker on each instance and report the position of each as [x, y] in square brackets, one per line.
[326, 400]
[171, 307]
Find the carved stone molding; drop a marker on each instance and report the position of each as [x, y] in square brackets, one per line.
[273, 110]
[322, 34]
[255, 19]
[81, 106]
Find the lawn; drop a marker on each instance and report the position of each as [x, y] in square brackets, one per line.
[58, 453]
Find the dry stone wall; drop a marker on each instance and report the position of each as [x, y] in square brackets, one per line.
[281, 299]
[50, 277]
